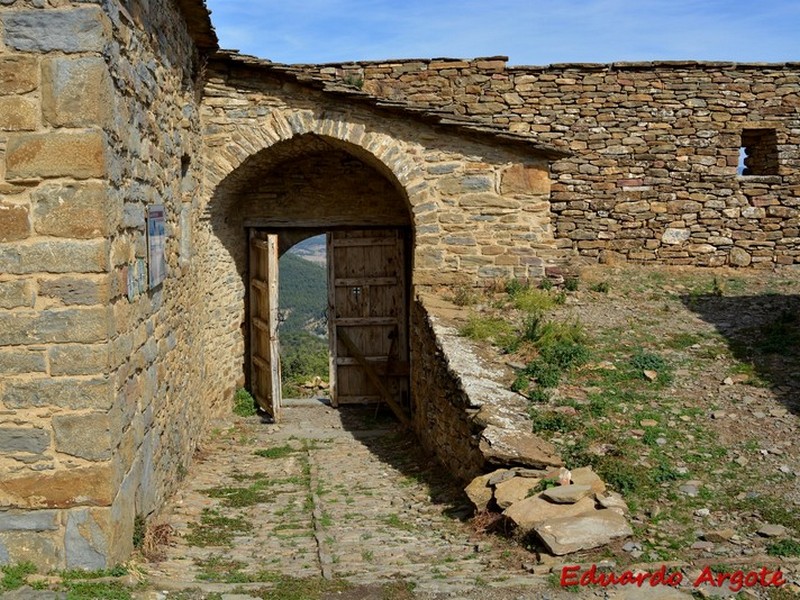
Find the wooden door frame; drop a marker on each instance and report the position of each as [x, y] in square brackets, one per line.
[251, 227]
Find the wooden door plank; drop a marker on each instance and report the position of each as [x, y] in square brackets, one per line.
[332, 343]
[369, 369]
[363, 281]
[364, 241]
[356, 321]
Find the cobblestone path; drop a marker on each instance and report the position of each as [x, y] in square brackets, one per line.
[329, 496]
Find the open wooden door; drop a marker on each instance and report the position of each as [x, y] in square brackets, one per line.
[368, 318]
[265, 369]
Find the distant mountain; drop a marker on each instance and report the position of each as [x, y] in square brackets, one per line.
[313, 249]
[303, 295]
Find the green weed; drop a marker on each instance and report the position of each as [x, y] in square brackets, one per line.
[784, 548]
[492, 329]
[215, 529]
[244, 404]
[275, 451]
[14, 575]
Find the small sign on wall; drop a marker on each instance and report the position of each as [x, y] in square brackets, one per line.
[156, 241]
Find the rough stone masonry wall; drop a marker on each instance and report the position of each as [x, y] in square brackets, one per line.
[653, 176]
[454, 190]
[96, 112]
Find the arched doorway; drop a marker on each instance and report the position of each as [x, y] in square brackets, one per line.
[312, 184]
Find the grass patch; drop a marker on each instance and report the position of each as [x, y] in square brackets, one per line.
[784, 548]
[244, 404]
[95, 590]
[14, 575]
[551, 421]
[215, 529]
[495, 330]
[275, 451]
[533, 300]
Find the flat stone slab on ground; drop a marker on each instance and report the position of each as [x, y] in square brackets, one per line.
[582, 532]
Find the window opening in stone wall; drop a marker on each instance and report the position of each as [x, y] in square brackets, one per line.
[303, 302]
[758, 154]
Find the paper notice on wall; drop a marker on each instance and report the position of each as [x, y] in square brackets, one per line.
[156, 241]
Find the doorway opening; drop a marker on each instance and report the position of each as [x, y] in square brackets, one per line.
[303, 319]
[367, 307]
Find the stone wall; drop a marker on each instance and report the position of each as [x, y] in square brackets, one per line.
[462, 411]
[653, 175]
[97, 111]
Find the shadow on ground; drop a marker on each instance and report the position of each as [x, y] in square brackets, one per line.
[384, 437]
[763, 333]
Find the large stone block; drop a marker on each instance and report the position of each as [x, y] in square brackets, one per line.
[18, 74]
[85, 436]
[33, 520]
[76, 290]
[55, 256]
[24, 439]
[84, 486]
[40, 155]
[82, 325]
[44, 549]
[78, 359]
[18, 361]
[73, 210]
[14, 223]
[62, 392]
[18, 114]
[76, 92]
[86, 538]
[526, 179]
[81, 29]
[16, 293]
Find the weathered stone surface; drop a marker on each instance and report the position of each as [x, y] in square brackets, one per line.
[567, 494]
[455, 185]
[487, 201]
[29, 593]
[513, 490]
[740, 257]
[74, 290]
[661, 592]
[83, 325]
[19, 73]
[65, 81]
[500, 475]
[85, 436]
[78, 359]
[526, 179]
[569, 534]
[529, 512]
[40, 155]
[479, 492]
[18, 114]
[586, 476]
[86, 539]
[42, 548]
[611, 500]
[55, 256]
[16, 293]
[61, 392]
[85, 486]
[16, 361]
[35, 520]
[675, 236]
[14, 222]
[76, 30]
[514, 447]
[24, 439]
[770, 530]
[74, 210]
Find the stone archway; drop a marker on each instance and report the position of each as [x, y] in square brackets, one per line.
[306, 182]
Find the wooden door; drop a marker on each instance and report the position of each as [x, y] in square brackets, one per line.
[265, 369]
[368, 318]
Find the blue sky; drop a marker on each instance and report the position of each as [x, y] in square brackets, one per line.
[530, 32]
